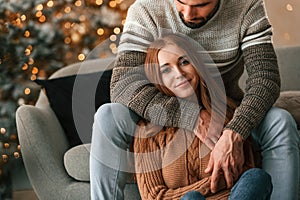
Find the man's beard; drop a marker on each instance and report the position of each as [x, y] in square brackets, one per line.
[192, 24]
[203, 21]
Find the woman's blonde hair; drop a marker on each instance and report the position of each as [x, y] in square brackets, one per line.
[204, 94]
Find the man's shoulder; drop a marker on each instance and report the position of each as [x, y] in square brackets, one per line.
[148, 4]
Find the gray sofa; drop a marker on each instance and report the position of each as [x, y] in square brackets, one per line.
[58, 172]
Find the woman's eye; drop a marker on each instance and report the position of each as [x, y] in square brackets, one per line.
[165, 70]
[184, 62]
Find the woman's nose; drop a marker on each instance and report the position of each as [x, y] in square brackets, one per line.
[179, 73]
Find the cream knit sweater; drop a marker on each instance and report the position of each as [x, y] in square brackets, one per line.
[237, 37]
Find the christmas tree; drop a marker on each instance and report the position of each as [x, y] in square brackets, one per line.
[37, 37]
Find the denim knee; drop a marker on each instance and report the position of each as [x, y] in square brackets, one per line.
[258, 175]
[278, 125]
[114, 116]
[253, 184]
[193, 195]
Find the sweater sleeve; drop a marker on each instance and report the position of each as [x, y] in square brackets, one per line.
[263, 83]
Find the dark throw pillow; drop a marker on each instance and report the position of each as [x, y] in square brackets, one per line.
[75, 110]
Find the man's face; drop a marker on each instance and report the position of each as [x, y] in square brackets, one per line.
[195, 13]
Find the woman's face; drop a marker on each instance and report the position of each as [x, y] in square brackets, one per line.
[177, 73]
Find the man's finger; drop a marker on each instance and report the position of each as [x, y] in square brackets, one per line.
[215, 179]
[228, 177]
[235, 173]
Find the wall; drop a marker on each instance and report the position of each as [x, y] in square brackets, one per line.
[284, 16]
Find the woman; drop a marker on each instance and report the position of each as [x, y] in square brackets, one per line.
[170, 162]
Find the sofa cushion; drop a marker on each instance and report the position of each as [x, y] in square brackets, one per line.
[290, 101]
[76, 161]
[75, 110]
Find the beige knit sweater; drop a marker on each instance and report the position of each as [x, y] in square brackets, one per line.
[168, 164]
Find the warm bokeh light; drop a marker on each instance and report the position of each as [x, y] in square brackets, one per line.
[27, 91]
[50, 4]
[39, 7]
[99, 2]
[2, 130]
[117, 30]
[100, 31]
[81, 57]
[289, 7]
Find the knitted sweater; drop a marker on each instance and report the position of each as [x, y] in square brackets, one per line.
[168, 164]
[238, 36]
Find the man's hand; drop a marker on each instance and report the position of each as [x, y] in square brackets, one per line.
[226, 158]
[207, 132]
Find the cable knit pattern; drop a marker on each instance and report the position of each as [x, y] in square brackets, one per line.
[238, 36]
[168, 163]
[175, 168]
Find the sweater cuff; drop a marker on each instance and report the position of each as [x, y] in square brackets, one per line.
[241, 125]
[188, 115]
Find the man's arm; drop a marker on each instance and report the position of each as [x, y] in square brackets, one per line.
[262, 90]
[263, 83]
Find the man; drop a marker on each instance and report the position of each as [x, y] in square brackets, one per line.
[237, 35]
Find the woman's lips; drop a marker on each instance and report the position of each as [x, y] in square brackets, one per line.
[182, 84]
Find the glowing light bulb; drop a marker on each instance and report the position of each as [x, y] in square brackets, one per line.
[27, 91]
[2, 131]
[289, 7]
[81, 57]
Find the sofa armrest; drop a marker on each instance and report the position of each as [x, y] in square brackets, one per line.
[290, 101]
[43, 144]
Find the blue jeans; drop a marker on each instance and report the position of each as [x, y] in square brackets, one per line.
[111, 163]
[253, 184]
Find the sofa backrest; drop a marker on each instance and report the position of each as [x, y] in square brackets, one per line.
[289, 67]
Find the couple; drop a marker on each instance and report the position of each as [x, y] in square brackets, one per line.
[171, 163]
[237, 35]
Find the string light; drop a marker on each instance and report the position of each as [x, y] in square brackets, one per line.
[112, 4]
[68, 9]
[289, 7]
[6, 145]
[23, 18]
[50, 4]
[33, 77]
[16, 154]
[38, 14]
[113, 38]
[42, 19]
[2, 131]
[25, 66]
[39, 7]
[30, 61]
[117, 30]
[34, 70]
[78, 3]
[67, 40]
[99, 2]
[100, 31]
[4, 158]
[81, 57]
[27, 91]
